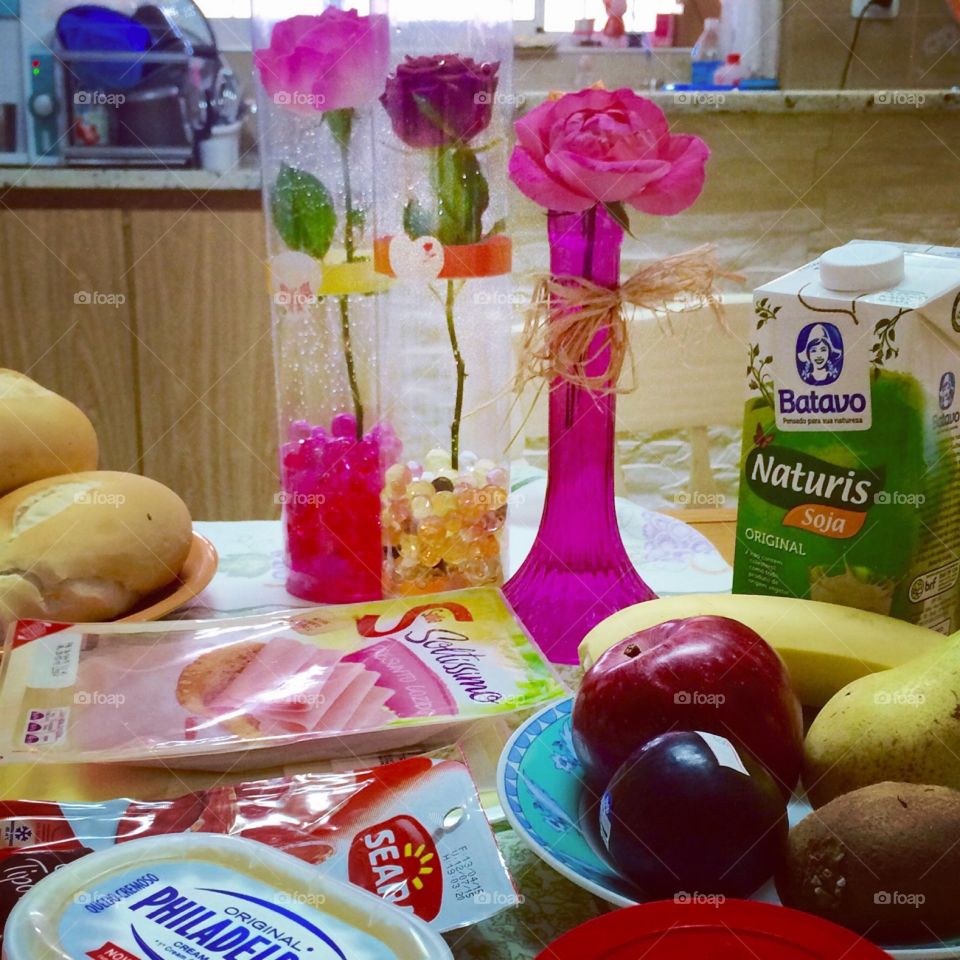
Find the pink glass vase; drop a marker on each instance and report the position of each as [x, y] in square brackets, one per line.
[578, 572]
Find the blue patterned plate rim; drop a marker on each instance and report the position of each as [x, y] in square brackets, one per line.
[510, 759]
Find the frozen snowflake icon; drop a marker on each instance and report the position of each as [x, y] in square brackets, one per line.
[17, 833]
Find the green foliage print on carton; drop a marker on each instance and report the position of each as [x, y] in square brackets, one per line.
[765, 311]
[885, 347]
[758, 373]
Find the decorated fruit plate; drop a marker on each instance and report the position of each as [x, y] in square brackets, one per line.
[539, 779]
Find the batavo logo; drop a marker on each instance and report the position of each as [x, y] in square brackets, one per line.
[397, 860]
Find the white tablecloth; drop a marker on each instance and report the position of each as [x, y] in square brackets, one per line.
[670, 556]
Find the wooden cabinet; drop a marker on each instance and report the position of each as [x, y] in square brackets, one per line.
[150, 311]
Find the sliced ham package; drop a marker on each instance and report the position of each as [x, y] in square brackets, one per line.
[332, 681]
[412, 832]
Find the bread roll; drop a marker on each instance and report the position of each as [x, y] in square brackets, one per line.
[41, 433]
[88, 546]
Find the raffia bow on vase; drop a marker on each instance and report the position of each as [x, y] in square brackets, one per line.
[572, 322]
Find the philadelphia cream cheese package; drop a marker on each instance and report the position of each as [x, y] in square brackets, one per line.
[850, 487]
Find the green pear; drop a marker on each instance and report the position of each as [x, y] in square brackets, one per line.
[901, 724]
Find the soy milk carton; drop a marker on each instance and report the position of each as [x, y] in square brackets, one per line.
[850, 467]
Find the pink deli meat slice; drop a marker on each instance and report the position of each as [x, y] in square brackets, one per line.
[271, 675]
[372, 711]
[345, 706]
[309, 709]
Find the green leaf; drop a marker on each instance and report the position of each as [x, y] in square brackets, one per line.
[500, 226]
[462, 196]
[303, 212]
[341, 125]
[619, 213]
[417, 222]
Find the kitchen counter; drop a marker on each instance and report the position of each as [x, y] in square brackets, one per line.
[245, 177]
[809, 101]
[704, 102]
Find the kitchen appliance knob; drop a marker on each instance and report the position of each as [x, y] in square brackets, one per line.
[43, 105]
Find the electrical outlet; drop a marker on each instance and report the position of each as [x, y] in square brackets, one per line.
[880, 10]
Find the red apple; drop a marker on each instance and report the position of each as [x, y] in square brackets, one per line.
[699, 673]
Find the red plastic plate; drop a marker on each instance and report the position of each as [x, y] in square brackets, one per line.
[716, 930]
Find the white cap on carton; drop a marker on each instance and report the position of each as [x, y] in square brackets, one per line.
[862, 266]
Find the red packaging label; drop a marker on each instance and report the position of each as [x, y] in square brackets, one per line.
[110, 951]
[375, 827]
[397, 860]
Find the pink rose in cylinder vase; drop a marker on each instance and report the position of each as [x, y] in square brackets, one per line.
[586, 157]
[334, 61]
[320, 76]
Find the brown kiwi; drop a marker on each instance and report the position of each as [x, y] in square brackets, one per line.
[883, 860]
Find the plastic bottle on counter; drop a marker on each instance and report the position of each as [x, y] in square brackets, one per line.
[705, 57]
[732, 72]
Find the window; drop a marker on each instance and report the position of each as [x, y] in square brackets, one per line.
[224, 9]
[553, 16]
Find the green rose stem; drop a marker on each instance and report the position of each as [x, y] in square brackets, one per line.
[341, 123]
[461, 377]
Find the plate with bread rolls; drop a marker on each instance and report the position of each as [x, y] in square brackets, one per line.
[78, 544]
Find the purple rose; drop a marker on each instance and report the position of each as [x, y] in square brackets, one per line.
[441, 100]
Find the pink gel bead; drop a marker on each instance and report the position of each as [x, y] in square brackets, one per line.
[299, 429]
[344, 425]
[333, 521]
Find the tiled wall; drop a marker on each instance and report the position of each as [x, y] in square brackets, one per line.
[920, 48]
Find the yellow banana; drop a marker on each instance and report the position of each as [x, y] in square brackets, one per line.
[824, 645]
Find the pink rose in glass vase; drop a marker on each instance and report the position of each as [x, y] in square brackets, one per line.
[334, 61]
[606, 146]
[585, 157]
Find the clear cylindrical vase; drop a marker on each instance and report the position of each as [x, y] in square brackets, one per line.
[320, 72]
[578, 571]
[446, 354]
